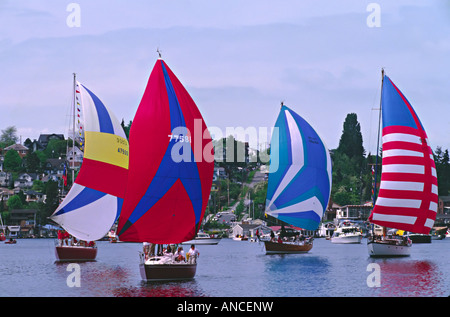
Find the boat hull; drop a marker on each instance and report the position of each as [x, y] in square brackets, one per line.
[203, 241]
[75, 253]
[347, 239]
[377, 249]
[167, 272]
[286, 248]
[420, 238]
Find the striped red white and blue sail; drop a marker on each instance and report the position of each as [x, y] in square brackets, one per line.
[408, 194]
[169, 178]
[300, 172]
[95, 199]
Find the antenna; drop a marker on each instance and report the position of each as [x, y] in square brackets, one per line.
[159, 52]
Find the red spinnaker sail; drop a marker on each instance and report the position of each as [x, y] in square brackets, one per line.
[171, 164]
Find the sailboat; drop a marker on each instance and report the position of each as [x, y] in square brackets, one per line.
[408, 194]
[170, 175]
[94, 201]
[299, 183]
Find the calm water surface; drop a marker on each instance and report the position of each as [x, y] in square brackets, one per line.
[230, 269]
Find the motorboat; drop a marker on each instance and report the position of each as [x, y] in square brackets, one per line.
[347, 233]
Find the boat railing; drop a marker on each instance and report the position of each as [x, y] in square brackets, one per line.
[69, 243]
[189, 259]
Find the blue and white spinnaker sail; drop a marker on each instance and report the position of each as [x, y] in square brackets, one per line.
[300, 172]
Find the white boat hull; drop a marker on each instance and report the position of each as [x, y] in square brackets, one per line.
[203, 241]
[377, 249]
[347, 239]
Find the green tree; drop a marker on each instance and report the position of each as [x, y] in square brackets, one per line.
[57, 148]
[351, 174]
[32, 162]
[442, 161]
[9, 136]
[52, 200]
[14, 202]
[13, 161]
[126, 128]
[351, 142]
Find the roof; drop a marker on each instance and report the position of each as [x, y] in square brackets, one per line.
[17, 147]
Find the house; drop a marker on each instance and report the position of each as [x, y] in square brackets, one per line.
[354, 212]
[25, 180]
[5, 179]
[6, 193]
[444, 205]
[249, 230]
[219, 172]
[54, 166]
[34, 196]
[22, 150]
[44, 139]
[25, 219]
[74, 157]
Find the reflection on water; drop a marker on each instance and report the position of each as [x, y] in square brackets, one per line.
[296, 274]
[161, 289]
[229, 269]
[410, 278]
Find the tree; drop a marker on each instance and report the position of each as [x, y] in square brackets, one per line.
[13, 161]
[351, 142]
[126, 128]
[14, 202]
[9, 136]
[351, 174]
[442, 161]
[52, 200]
[32, 162]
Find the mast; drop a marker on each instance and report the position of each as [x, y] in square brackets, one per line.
[378, 141]
[73, 131]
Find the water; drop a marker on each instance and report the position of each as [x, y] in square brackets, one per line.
[229, 269]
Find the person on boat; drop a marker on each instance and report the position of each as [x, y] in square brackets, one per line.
[192, 255]
[283, 231]
[257, 235]
[146, 249]
[91, 244]
[280, 240]
[66, 237]
[272, 236]
[60, 238]
[179, 255]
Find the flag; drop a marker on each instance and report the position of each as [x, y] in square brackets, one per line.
[64, 176]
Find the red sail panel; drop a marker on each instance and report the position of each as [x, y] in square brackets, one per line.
[408, 196]
[169, 178]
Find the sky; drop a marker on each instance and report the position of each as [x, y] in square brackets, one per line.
[238, 60]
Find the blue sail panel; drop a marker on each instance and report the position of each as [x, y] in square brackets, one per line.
[299, 190]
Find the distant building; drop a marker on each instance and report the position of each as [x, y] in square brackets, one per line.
[74, 157]
[21, 149]
[5, 179]
[25, 180]
[44, 139]
[354, 212]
